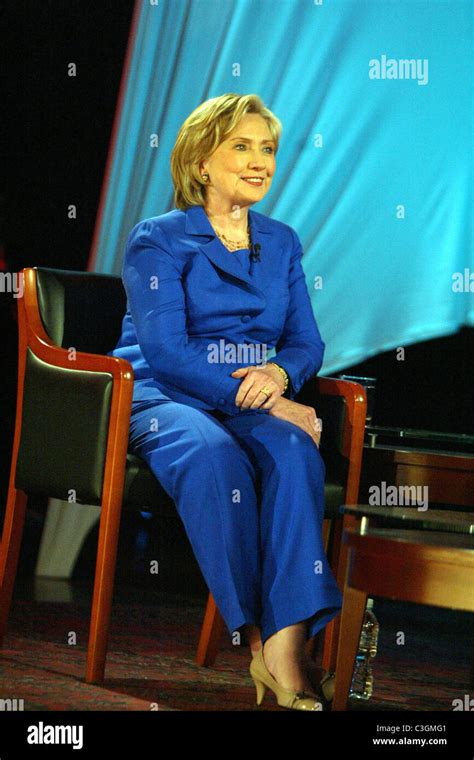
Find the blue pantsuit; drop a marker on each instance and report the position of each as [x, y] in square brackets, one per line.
[249, 487]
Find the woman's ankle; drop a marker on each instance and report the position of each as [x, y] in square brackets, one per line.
[253, 638]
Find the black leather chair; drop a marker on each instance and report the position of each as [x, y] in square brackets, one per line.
[72, 427]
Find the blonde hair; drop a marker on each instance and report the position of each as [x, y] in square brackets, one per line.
[202, 132]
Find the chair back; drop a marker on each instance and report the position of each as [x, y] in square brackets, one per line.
[81, 309]
[65, 412]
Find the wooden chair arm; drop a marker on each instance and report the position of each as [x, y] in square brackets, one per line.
[354, 427]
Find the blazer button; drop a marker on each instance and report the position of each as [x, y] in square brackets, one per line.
[246, 318]
[222, 401]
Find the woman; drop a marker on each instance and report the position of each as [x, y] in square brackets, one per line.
[211, 285]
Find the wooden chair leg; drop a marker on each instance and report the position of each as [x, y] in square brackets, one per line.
[103, 588]
[326, 533]
[331, 637]
[10, 551]
[352, 616]
[211, 632]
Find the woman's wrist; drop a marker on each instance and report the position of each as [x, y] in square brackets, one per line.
[281, 373]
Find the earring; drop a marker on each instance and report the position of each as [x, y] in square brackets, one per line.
[205, 176]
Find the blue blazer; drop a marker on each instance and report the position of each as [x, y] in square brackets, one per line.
[193, 310]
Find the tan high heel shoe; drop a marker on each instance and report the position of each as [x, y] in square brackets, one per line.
[327, 686]
[263, 679]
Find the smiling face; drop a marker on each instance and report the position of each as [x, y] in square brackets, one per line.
[241, 168]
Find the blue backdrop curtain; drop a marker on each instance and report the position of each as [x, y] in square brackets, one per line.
[374, 169]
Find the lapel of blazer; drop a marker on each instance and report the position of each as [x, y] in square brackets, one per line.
[197, 223]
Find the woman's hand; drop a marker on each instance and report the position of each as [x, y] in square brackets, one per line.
[300, 415]
[249, 395]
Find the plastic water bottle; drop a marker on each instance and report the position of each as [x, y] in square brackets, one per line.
[363, 681]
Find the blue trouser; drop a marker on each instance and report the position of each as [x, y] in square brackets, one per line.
[250, 492]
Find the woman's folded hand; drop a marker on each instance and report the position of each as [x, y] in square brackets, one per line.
[249, 395]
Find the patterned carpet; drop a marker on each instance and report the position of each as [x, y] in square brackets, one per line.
[152, 648]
